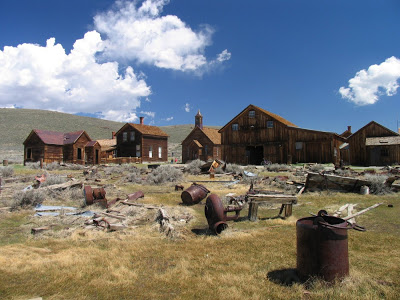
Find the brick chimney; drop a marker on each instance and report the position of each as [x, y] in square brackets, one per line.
[113, 135]
[349, 129]
[141, 120]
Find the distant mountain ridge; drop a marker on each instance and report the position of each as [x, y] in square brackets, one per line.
[16, 124]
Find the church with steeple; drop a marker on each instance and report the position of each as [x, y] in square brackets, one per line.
[202, 143]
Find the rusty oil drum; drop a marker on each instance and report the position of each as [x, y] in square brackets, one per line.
[322, 247]
[194, 194]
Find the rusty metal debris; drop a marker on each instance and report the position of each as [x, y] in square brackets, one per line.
[216, 214]
[322, 247]
[194, 194]
[95, 195]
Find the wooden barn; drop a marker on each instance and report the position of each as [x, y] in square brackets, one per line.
[149, 143]
[202, 142]
[256, 134]
[53, 146]
[373, 145]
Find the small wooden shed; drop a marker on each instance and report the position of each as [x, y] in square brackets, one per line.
[373, 144]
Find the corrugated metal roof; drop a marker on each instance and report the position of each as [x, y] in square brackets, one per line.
[382, 141]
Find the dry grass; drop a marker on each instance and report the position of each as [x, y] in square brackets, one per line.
[249, 260]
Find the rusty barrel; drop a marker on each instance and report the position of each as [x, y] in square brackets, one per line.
[322, 247]
[215, 214]
[194, 194]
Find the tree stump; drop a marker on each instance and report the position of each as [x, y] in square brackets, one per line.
[253, 210]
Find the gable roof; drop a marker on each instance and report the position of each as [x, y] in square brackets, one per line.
[211, 133]
[274, 116]
[57, 138]
[376, 123]
[107, 144]
[145, 129]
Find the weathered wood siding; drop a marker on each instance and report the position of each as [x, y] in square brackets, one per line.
[208, 151]
[262, 136]
[141, 143]
[384, 155]
[72, 151]
[36, 149]
[358, 150]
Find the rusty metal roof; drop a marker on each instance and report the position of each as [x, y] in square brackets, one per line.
[91, 143]
[58, 138]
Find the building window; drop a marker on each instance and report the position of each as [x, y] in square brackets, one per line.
[124, 136]
[150, 151]
[79, 153]
[132, 136]
[138, 154]
[159, 152]
[206, 150]
[217, 149]
[299, 145]
[252, 114]
[384, 152]
[235, 127]
[270, 124]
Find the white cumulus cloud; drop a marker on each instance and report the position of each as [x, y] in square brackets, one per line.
[368, 85]
[33, 76]
[187, 107]
[142, 34]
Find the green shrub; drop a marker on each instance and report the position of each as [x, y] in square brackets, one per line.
[378, 186]
[163, 174]
[233, 168]
[53, 179]
[193, 167]
[28, 198]
[6, 171]
[134, 175]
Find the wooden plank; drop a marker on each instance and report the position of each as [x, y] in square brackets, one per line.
[273, 198]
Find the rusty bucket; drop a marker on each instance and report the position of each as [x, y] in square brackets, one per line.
[322, 247]
[194, 194]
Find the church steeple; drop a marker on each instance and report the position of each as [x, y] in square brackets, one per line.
[198, 120]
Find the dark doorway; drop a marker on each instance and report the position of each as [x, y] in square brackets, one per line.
[255, 154]
[97, 157]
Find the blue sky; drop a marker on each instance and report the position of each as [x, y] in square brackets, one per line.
[320, 64]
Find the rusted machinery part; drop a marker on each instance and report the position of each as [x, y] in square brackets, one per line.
[99, 193]
[88, 194]
[135, 196]
[214, 211]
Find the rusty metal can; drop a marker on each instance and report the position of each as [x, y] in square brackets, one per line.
[194, 194]
[322, 247]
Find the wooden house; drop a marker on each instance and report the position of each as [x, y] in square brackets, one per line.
[373, 145]
[256, 134]
[202, 143]
[53, 146]
[147, 142]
